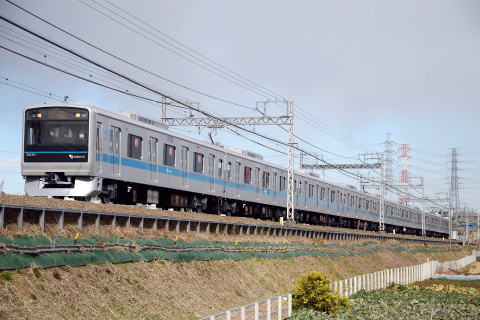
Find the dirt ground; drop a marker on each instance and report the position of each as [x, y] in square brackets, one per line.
[170, 290]
[471, 269]
[429, 283]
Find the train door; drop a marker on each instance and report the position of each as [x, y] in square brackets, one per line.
[221, 173]
[237, 178]
[341, 202]
[328, 199]
[274, 185]
[295, 191]
[211, 171]
[184, 166]
[99, 148]
[114, 150]
[152, 157]
[305, 191]
[257, 183]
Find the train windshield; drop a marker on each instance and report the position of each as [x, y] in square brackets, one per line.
[56, 129]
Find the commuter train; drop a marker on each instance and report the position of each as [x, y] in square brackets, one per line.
[81, 151]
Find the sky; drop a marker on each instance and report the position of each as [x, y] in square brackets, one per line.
[356, 71]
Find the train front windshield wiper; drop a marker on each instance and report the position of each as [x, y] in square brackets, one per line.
[72, 145]
[61, 145]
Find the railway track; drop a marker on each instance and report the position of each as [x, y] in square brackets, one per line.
[15, 214]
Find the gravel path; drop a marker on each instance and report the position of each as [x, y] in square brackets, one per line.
[82, 205]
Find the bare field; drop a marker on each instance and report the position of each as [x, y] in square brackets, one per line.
[63, 204]
[165, 289]
[168, 290]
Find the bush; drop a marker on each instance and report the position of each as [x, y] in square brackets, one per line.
[313, 291]
[37, 273]
[6, 276]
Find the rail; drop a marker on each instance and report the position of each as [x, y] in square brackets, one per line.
[347, 287]
[195, 225]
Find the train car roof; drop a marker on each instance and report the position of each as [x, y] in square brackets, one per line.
[123, 117]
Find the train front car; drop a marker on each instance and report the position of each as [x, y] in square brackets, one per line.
[56, 159]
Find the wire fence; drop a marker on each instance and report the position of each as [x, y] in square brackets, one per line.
[281, 307]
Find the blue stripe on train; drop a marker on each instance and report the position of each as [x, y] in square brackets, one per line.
[137, 164]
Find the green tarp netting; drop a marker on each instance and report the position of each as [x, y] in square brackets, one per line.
[181, 251]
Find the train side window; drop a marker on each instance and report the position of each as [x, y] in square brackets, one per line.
[333, 196]
[229, 171]
[110, 145]
[274, 181]
[282, 183]
[266, 180]
[220, 168]
[98, 140]
[134, 146]
[248, 175]
[198, 162]
[168, 155]
[322, 194]
[117, 143]
[310, 190]
[237, 171]
[154, 150]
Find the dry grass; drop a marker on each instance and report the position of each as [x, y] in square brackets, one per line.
[168, 290]
[164, 289]
[63, 204]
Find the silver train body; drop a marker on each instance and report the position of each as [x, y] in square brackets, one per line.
[81, 151]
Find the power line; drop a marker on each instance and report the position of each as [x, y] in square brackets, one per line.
[335, 135]
[113, 56]
[133, 81]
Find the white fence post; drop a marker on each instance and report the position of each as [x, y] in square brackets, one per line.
[279, 308]
[289, 312]
[371, 281]
[269, 309]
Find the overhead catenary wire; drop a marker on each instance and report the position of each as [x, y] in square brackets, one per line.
[145, 70]
[124, 61]
[148, 88]
[244, 84]
[306, 118]
[255, 133]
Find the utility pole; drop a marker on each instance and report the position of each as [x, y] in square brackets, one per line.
[164, 108]
[382, 198]
[478, 223]
[252, 121]
[290, 208]
[444, 199]
[467, 229]
[388, 162]
[454, 184]
[378, 164]
[404, 178]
